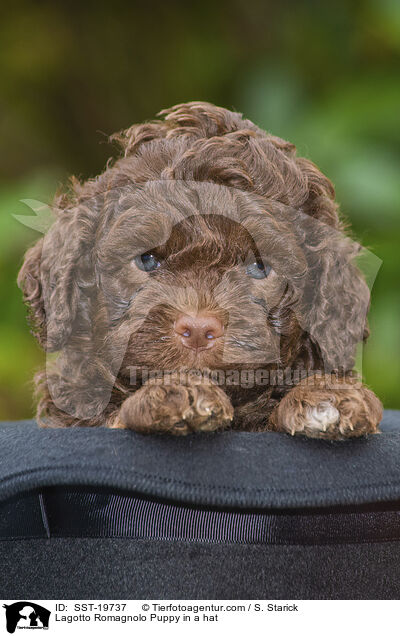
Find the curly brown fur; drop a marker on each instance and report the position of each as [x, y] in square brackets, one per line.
[208, 194]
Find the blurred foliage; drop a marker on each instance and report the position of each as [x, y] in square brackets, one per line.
[324, 75]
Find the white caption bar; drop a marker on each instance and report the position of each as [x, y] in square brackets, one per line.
[187, 617]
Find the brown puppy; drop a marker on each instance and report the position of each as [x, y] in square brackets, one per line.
[203, 281]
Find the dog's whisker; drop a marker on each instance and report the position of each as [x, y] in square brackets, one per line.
[244, 344]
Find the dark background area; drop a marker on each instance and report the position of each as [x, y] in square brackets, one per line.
[323, 75]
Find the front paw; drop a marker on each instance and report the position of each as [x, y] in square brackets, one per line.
[315, 410]
[176, 409]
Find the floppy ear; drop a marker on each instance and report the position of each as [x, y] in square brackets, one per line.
[58, 283]
[338, 303]
[65, 249]
[49, 280]
[336, 295]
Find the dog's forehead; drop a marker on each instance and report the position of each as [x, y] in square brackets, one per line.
[146, 215]
[176, 201]
[169, 202]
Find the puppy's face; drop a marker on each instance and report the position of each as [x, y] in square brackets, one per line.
[198, 280]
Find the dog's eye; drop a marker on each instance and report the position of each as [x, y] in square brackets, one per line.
[258, 269]
[147, 262]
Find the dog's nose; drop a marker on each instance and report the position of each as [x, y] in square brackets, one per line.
[198, 332]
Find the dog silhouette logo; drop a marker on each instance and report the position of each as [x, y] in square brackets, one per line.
[26, 615]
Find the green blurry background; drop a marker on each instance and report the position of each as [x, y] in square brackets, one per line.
[323, 74]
